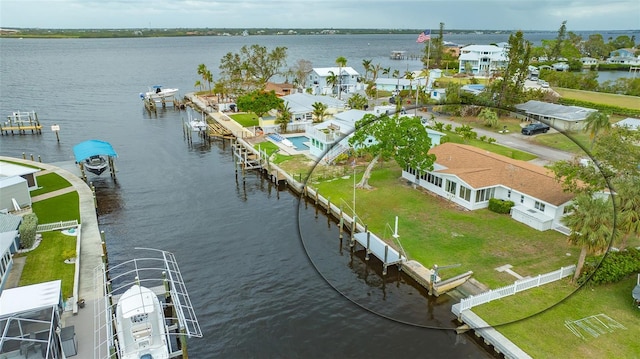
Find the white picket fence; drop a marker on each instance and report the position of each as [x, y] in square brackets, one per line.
[518, 286]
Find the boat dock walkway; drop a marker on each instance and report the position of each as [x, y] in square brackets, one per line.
[21, 123]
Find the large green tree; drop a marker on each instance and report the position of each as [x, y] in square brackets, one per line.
[404, 139]
[284, 116]
[509, 90]
[258, 102]
[253, 66]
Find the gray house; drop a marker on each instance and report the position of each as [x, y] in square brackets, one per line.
[559, 117]
[14, 193]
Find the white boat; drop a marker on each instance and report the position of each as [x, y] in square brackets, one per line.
[96, 164]
[141, 325]
[158, 92]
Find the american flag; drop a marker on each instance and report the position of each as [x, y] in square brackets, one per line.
[424, 36]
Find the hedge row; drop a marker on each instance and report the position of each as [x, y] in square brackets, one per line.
[613, 268]
[601, 107]
[500, 206]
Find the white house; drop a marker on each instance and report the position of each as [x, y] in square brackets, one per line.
[438, 94]
[624, 60]
[469, 177]
[559, 117]
[588, 61]
[630, 123]
[14, 193]
[301, 107]
[347, 80]
[484, 59]
[28, 173]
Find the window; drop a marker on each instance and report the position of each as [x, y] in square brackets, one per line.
[539, 206]
[450, 187]
[485, 194]
[465, 193]
[509, 194]
[521, 198]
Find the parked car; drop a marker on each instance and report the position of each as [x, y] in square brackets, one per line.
[534, 128]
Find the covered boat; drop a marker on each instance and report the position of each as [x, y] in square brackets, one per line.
[141, 325]
[94, 155]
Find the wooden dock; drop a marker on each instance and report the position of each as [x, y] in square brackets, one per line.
[21, 123]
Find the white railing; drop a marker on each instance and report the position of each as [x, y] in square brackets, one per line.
[334, 152]
[322, 136]
[48, 227]
[518, 286]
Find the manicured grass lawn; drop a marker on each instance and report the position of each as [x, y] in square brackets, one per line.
[60, 208]
[50, 182]
[545, 335]
[46, 263]
[492, 147]
[569, 142]
[21, 164]
[246, 119]
[434, 231]
[600, 98]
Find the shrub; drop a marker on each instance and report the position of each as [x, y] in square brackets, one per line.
[613, 268]
[500, 206]
[491, 140]
[27, 230]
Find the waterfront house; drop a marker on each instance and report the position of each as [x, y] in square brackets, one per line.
[301, 107]
[630, 123]
[348, 79]
[559, 117]
[469, 177]
[28, 173]
[588, 61]
[280, 89]
[484, 59]
[623, 53]
[624, 60]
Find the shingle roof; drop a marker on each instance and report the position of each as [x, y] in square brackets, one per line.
[480, 168]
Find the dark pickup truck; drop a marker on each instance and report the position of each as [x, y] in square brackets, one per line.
[534, 128]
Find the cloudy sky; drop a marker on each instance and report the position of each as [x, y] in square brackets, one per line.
[388, 14]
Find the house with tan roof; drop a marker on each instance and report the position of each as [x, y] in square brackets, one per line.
[470, 176]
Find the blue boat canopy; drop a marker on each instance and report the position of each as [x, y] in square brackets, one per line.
[86, 149]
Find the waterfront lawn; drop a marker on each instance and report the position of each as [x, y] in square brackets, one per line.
[59, 208]
[545, 335]
[623, 101]
[248, 119]
[46, 263]
[50, 182]
[21, 164]
[435, 231]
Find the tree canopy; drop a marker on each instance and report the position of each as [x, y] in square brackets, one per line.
[252, 67]
[258, 102]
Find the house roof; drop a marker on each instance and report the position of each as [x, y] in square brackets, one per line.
[475, 52]
[552, 110]
[11, 169]
[280, 89]
[9, 222]
[325, 71]
[30, 297]
[630, 123]
[480, 169]
[303, 102]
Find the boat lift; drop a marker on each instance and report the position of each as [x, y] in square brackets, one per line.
[160, 274]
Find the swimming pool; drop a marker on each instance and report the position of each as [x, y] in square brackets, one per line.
[298, 142]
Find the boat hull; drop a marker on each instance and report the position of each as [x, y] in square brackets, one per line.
[96, 164]
[154, 95]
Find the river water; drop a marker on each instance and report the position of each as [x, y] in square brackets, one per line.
[238, 243]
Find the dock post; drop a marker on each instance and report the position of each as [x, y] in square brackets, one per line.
[340, 226]
[31, 155]
[353, 231]
[39, 159]
[24, 156]
[366, 255]
[328, 206]
[384, 265]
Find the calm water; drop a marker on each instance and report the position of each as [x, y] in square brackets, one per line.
[238, 243]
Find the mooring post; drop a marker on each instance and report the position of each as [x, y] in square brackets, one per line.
[353, 231]
[366, 256]
[386, 254]
[31, 154]
[328, 205]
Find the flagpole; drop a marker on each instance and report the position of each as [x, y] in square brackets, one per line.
[428, 53]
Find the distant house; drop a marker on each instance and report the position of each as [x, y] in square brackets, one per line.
[469, 177]
[559, 117]
[391, 84]
[623, 53]
[347, 79]
[474, 89]
[624, 60]
[588, 61]
[560, 66]
[484, 59]
[301, 107]
[438, 94]
[630, 123]
[282, 89]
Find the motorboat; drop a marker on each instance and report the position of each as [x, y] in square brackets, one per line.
[158, 92]
[96, 164]
[140, 323]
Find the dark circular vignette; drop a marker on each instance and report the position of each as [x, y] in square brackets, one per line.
[586, 151]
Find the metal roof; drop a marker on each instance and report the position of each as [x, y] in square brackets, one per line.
[552, 110]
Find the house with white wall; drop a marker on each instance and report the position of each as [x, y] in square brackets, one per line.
[301, 107]
[347, 79]
[469, 177]
[484, 59]
[28, 173]
[14, 194]
[559, 117]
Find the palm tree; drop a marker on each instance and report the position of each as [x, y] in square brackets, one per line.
[284, 116]
[198, 84]
[319, 111]
[341, 62]
[596, 122]
[332, 80]
[386, 71]
[367, 67]
[591, 224]
[627, 199]
[357, 101]
[409, 76]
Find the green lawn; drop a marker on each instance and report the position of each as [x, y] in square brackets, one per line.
[46, 263]
[50, 182]
[569, 142]
[248, 119]
[60, 208]
[600, 98]
[545, 335]
[434, 231]
[492, 147]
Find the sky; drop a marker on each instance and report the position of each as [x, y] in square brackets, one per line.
[324, 14]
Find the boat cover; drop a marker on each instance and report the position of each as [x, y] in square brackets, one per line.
[86, 149]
